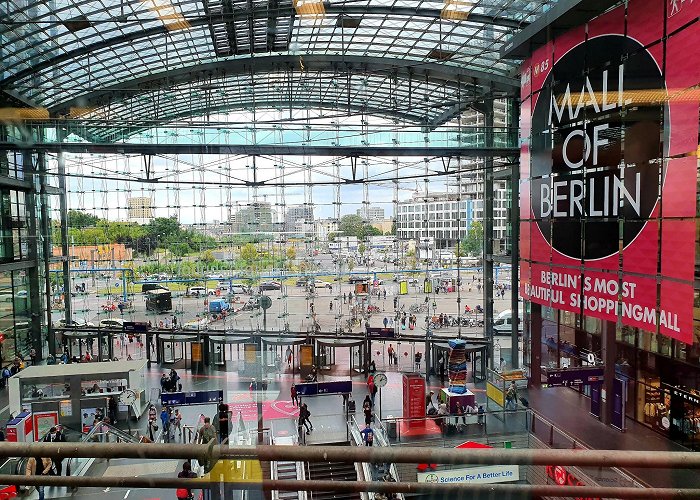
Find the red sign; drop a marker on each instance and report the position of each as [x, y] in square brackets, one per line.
[414, 399]
[563, 477]
[11, 434]
[608, 186]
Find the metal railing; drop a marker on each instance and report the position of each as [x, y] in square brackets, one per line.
[210, 454]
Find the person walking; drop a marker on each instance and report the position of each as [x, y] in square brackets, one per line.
[176, 422]
[367, 409]
[54, 436]
[165, 421]
[112, 409]
[186, 472]
[288, 355]
[37, 466]
[206, 433]
[304, 415]
[152, 423]
[367, 435]
[512, 397]
[294, 394]
[223, 423]
[390, 352]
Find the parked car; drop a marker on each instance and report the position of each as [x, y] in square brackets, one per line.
[196, 325]
[196, 291]
[322, 284]
[239, 289]
[116, 323]
[76, 323]
[356, 278]
[270, 285]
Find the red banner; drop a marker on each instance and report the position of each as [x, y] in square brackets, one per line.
[609, 168]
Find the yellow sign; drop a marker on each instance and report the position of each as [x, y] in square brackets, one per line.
[403, 288]
[495, 394]
[196, 352]
[427, 287]
[251, 353]
[306, 355]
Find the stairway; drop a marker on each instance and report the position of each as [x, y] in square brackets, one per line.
[332, 471]
[287, 470]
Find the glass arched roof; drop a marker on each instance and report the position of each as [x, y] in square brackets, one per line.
[165, 59]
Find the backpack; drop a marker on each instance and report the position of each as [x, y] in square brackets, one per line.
[6, 373]
[370, 437]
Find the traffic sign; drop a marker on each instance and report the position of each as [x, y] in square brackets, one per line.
[265, 302]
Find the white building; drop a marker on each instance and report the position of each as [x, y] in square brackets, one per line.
[323, 227]
[140, 209]
[371, 213]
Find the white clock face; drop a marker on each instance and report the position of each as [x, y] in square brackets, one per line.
[380, 380]
[127, 397]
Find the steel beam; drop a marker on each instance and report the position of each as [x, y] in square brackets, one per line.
[474, 491]
[270, 150]
[399, 454]
[402, 68]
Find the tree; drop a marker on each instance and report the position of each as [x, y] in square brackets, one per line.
[78, 219]
[354, 225]
[473, 243]
[361, 248]
[291, 253]
[208, 256]
[249, 254]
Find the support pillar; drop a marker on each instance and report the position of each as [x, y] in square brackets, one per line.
[514, 247]
[47, 250]
[33, 254]
[65, 250]
[608, 353]
[488, 224]
[535, 345]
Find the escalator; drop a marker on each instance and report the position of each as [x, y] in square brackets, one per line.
[332, 471]
[287, 470]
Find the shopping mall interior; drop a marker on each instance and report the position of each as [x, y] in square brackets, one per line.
[455, 238]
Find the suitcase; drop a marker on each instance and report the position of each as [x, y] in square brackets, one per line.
[351, 405]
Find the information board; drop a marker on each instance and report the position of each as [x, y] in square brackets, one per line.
[575, 376]
[191, 398]
[414, 399]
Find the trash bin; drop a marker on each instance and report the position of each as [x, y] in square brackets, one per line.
[391, 427]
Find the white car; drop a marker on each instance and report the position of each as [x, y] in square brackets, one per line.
[76, 323]
[196, 325]
[117, 323]
[322, 284]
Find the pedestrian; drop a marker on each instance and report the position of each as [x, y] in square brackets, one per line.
[288, 355]
[390, 352]
[152, 422]
[367, 410]
[186, 472]
[386, 321]
[345, 298]
[330, 306]
[112, 409]
[304, 415]
[206, 433]
[441, 368]
[37, 466]
[223, 423]
[512, 397]
[367, 435]
[385, 294]
[480, 415]
[374, 393]
[295, 396]
[32, 356]
[165, 421]
[429, 400]
[176, 422]
[6, 374]
[56, 437]
[164, 383]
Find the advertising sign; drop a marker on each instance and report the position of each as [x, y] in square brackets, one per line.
[414, 398]
[324, 388]
[562, 477]
[306, 355]
[473, 475]
[609, 167]
[43, 421]
[196, 352]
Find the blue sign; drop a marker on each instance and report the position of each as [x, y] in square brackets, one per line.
[324, 388]
[191, 398]
[575, 376]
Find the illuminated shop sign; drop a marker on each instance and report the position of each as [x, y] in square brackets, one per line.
[563, 477]
[608, 169]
